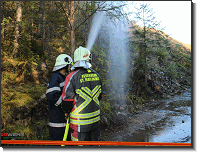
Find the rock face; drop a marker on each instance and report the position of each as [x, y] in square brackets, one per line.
[163, 85]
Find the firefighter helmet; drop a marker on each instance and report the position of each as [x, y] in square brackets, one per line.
[82, 54]
[62, 61]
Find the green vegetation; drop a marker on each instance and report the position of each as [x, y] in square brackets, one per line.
[30, 45]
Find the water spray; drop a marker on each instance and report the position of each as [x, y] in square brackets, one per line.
[96, 24]
[118, 57]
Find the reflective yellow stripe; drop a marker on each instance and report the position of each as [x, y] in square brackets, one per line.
[87, 115]
[87, 90]
[84, 122]
[94, 95]
[73, 138]
[84, 104]
[95, 90]
[95, 98]
[85, 97]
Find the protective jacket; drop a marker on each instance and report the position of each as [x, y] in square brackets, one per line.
[54, 95]
[81, 95]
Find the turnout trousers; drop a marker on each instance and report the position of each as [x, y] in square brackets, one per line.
[92, 135]
[57, 133]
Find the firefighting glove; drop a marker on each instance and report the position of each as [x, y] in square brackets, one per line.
[67, 106]
[67, 115]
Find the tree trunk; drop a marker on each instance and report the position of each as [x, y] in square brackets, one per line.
[72, 24]
[2, 30]
[32, 22]
[17, 31]
[40, 20]
[86, 28]
[43, 29]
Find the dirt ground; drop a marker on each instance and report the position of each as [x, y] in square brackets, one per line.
[158, 119]
[143, 118]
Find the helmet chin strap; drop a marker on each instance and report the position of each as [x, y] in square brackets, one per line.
[69, 68]
[90, 60]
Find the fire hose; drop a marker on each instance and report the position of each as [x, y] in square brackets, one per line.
[66, 130]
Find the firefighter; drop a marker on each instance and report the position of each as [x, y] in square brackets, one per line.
[57, 120]
[80, 97]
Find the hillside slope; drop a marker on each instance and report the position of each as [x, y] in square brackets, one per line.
[166, 62]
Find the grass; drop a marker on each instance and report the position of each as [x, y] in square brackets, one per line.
[16, 98]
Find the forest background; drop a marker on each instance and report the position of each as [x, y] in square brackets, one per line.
[34, 33]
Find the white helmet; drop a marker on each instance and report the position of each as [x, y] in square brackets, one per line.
[82, 54]
[62, 61]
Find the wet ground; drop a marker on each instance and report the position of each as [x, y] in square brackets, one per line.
[170, 121]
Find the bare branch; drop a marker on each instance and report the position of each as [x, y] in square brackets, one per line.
[89, 16]
[65, 13]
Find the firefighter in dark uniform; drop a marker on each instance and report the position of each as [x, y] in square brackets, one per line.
[57, 120]
[80, 97]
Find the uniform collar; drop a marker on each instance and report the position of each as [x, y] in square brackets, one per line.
[81, 64]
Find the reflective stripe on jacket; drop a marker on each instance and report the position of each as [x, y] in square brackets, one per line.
[84, 88]
[54, 96]
[56, 124]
